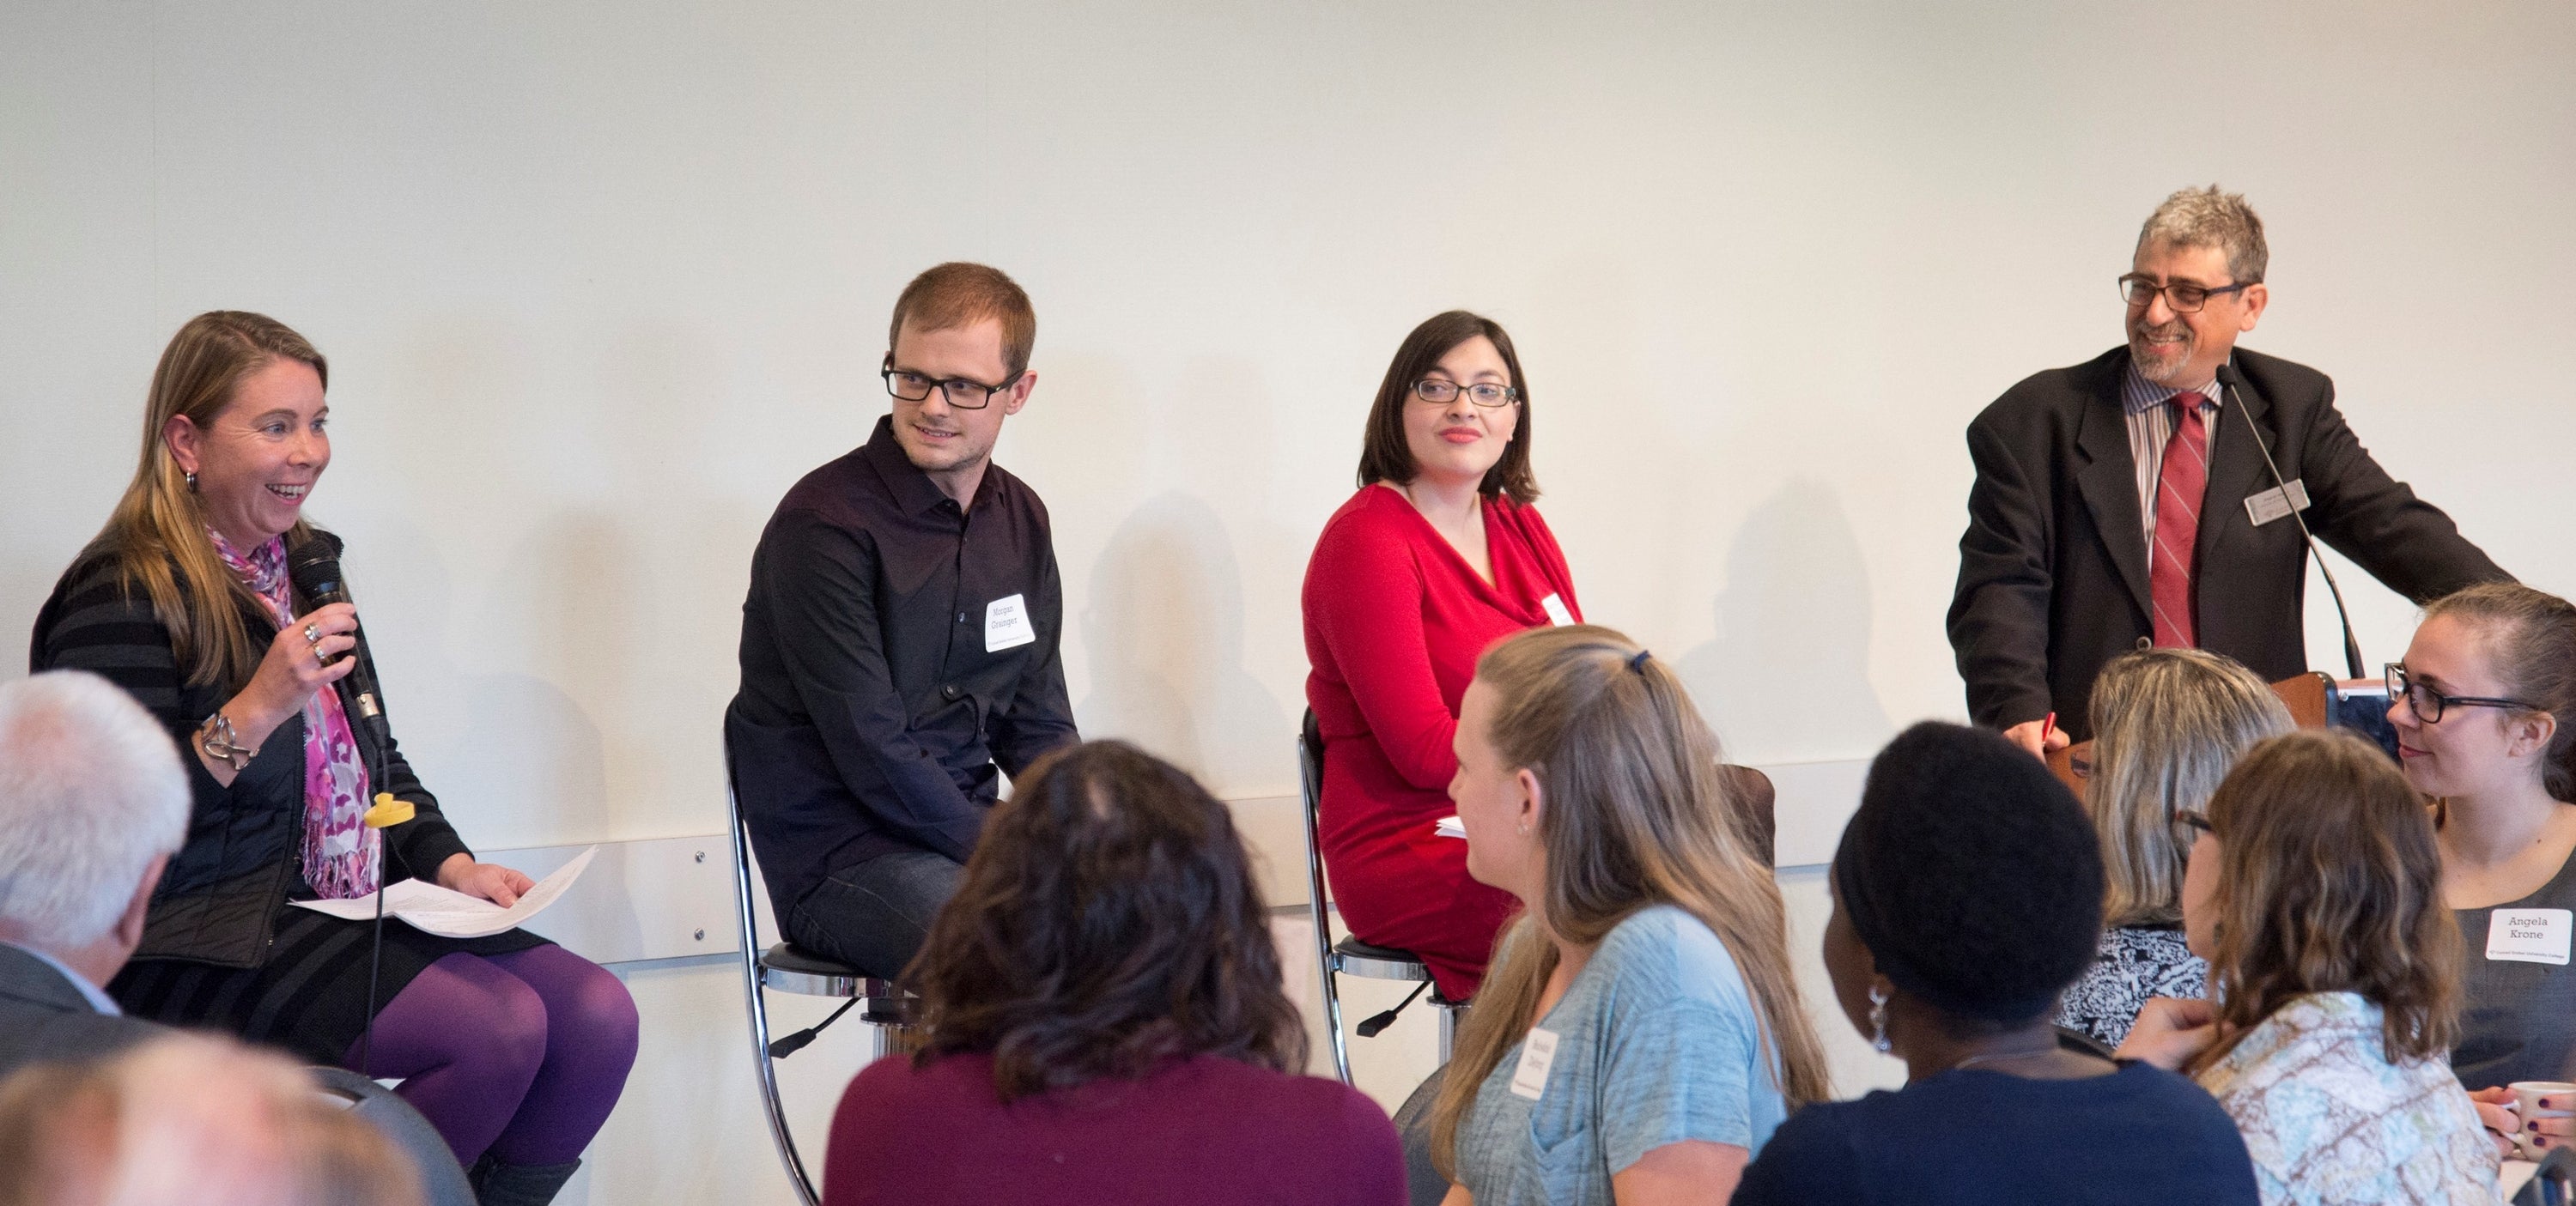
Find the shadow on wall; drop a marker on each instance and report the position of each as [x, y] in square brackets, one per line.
[1163, 628]
[489, 745]
[1787, 677]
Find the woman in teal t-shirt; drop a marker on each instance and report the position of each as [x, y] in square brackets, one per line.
[1639, 1035]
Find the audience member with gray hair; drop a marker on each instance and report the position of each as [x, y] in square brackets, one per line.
[2119, 504]
[92, 804]
[93, 801]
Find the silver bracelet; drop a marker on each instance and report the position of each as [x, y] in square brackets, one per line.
[217, 738]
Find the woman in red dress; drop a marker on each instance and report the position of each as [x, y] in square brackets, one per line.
[1438, 556]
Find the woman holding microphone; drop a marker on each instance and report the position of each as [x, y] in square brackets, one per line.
[1438, 556]
[513, 1047]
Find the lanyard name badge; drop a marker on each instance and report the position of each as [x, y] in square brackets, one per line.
[2530, 935]
[1006, 624]
[1538, 1054]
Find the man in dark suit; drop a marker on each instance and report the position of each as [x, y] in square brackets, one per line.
[2118, 504]
[92, 805]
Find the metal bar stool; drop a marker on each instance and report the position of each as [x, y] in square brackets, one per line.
[1350, 956]
[786, 967]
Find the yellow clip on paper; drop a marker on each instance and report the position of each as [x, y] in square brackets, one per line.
[388, 811]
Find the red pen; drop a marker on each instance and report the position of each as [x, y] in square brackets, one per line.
[2047, 727]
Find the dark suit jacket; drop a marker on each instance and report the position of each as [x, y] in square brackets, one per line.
[2053, 567]
[43, 1016]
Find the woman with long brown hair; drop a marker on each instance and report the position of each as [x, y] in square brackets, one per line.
[1105, 1021]
[514, 1048]
[1640, 1035]
[2315, 892]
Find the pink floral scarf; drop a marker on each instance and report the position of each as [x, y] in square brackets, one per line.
[339, 861]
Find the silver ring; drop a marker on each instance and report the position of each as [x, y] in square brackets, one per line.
[318, 659]
[312, 634]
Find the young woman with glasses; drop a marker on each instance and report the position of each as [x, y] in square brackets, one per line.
[2485, 709]
[1437, 557]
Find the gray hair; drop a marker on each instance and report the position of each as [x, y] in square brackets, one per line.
[2206, 217]
[2168, 724]
[91, 789]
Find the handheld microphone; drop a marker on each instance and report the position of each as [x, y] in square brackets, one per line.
[2234, 384]
[315, 570]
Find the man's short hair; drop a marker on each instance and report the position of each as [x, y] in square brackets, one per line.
[91, 789]
[2206, 217]
[959, 294]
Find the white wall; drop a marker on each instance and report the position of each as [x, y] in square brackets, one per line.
[599, 281]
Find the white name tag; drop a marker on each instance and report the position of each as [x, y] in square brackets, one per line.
[1557, 613]
[2529, 935]
[1006, 624]
[2276, 502]
[1538, 1054]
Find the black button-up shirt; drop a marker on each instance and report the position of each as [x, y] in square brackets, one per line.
[895, 649]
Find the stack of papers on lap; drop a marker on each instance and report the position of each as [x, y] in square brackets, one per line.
[1450, 826]
[431, 909]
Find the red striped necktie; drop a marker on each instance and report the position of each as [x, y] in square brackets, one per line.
[2179, 486]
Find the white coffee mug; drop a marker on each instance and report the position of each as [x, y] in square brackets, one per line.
[2526, 1107]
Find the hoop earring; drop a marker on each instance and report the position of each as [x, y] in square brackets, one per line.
[1878, 1020]
[192, 482]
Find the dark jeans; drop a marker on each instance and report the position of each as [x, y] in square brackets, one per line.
[874, 916]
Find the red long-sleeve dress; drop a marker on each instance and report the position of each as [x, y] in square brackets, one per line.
[1395, 620]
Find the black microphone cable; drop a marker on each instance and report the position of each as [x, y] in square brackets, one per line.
[2234, 384]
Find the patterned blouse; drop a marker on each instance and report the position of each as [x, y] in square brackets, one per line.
[2137, 962]
[2328, 1119]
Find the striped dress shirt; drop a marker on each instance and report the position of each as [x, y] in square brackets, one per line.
[2151, 428]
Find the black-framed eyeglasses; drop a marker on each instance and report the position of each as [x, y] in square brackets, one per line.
[2188, 825]
[1483, 393]
[961, 392]
[2428, 704]
[2140, 290]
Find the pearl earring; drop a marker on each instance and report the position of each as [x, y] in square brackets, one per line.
[1878, 1019]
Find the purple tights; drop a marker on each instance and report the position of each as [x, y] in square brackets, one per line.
[520, 1055]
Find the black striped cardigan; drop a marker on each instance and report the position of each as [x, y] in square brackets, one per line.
[218, 901]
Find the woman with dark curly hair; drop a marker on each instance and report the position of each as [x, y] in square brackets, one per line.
[1105, 1021]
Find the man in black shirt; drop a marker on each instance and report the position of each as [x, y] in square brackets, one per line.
[900, 641]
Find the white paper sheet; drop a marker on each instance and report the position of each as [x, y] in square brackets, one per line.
[1450, 826]
[435, 910]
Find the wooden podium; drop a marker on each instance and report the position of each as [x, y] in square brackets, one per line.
[2312, 699]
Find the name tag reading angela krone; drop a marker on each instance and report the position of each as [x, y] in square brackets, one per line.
[2529, 935]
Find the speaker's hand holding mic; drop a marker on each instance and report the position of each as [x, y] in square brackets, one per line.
[305, 658]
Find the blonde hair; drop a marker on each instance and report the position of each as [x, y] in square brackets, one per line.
[194, 1119]
[2329, 881]
[1638, 815]
[2167, 725]
[156, 538]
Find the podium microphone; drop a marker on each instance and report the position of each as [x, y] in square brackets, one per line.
[2234, 384]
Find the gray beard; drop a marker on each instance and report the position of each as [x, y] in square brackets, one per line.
[2156, 371]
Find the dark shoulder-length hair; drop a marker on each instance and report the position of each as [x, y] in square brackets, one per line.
[1108, 920]
[1384, 455]
[2329, 881]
